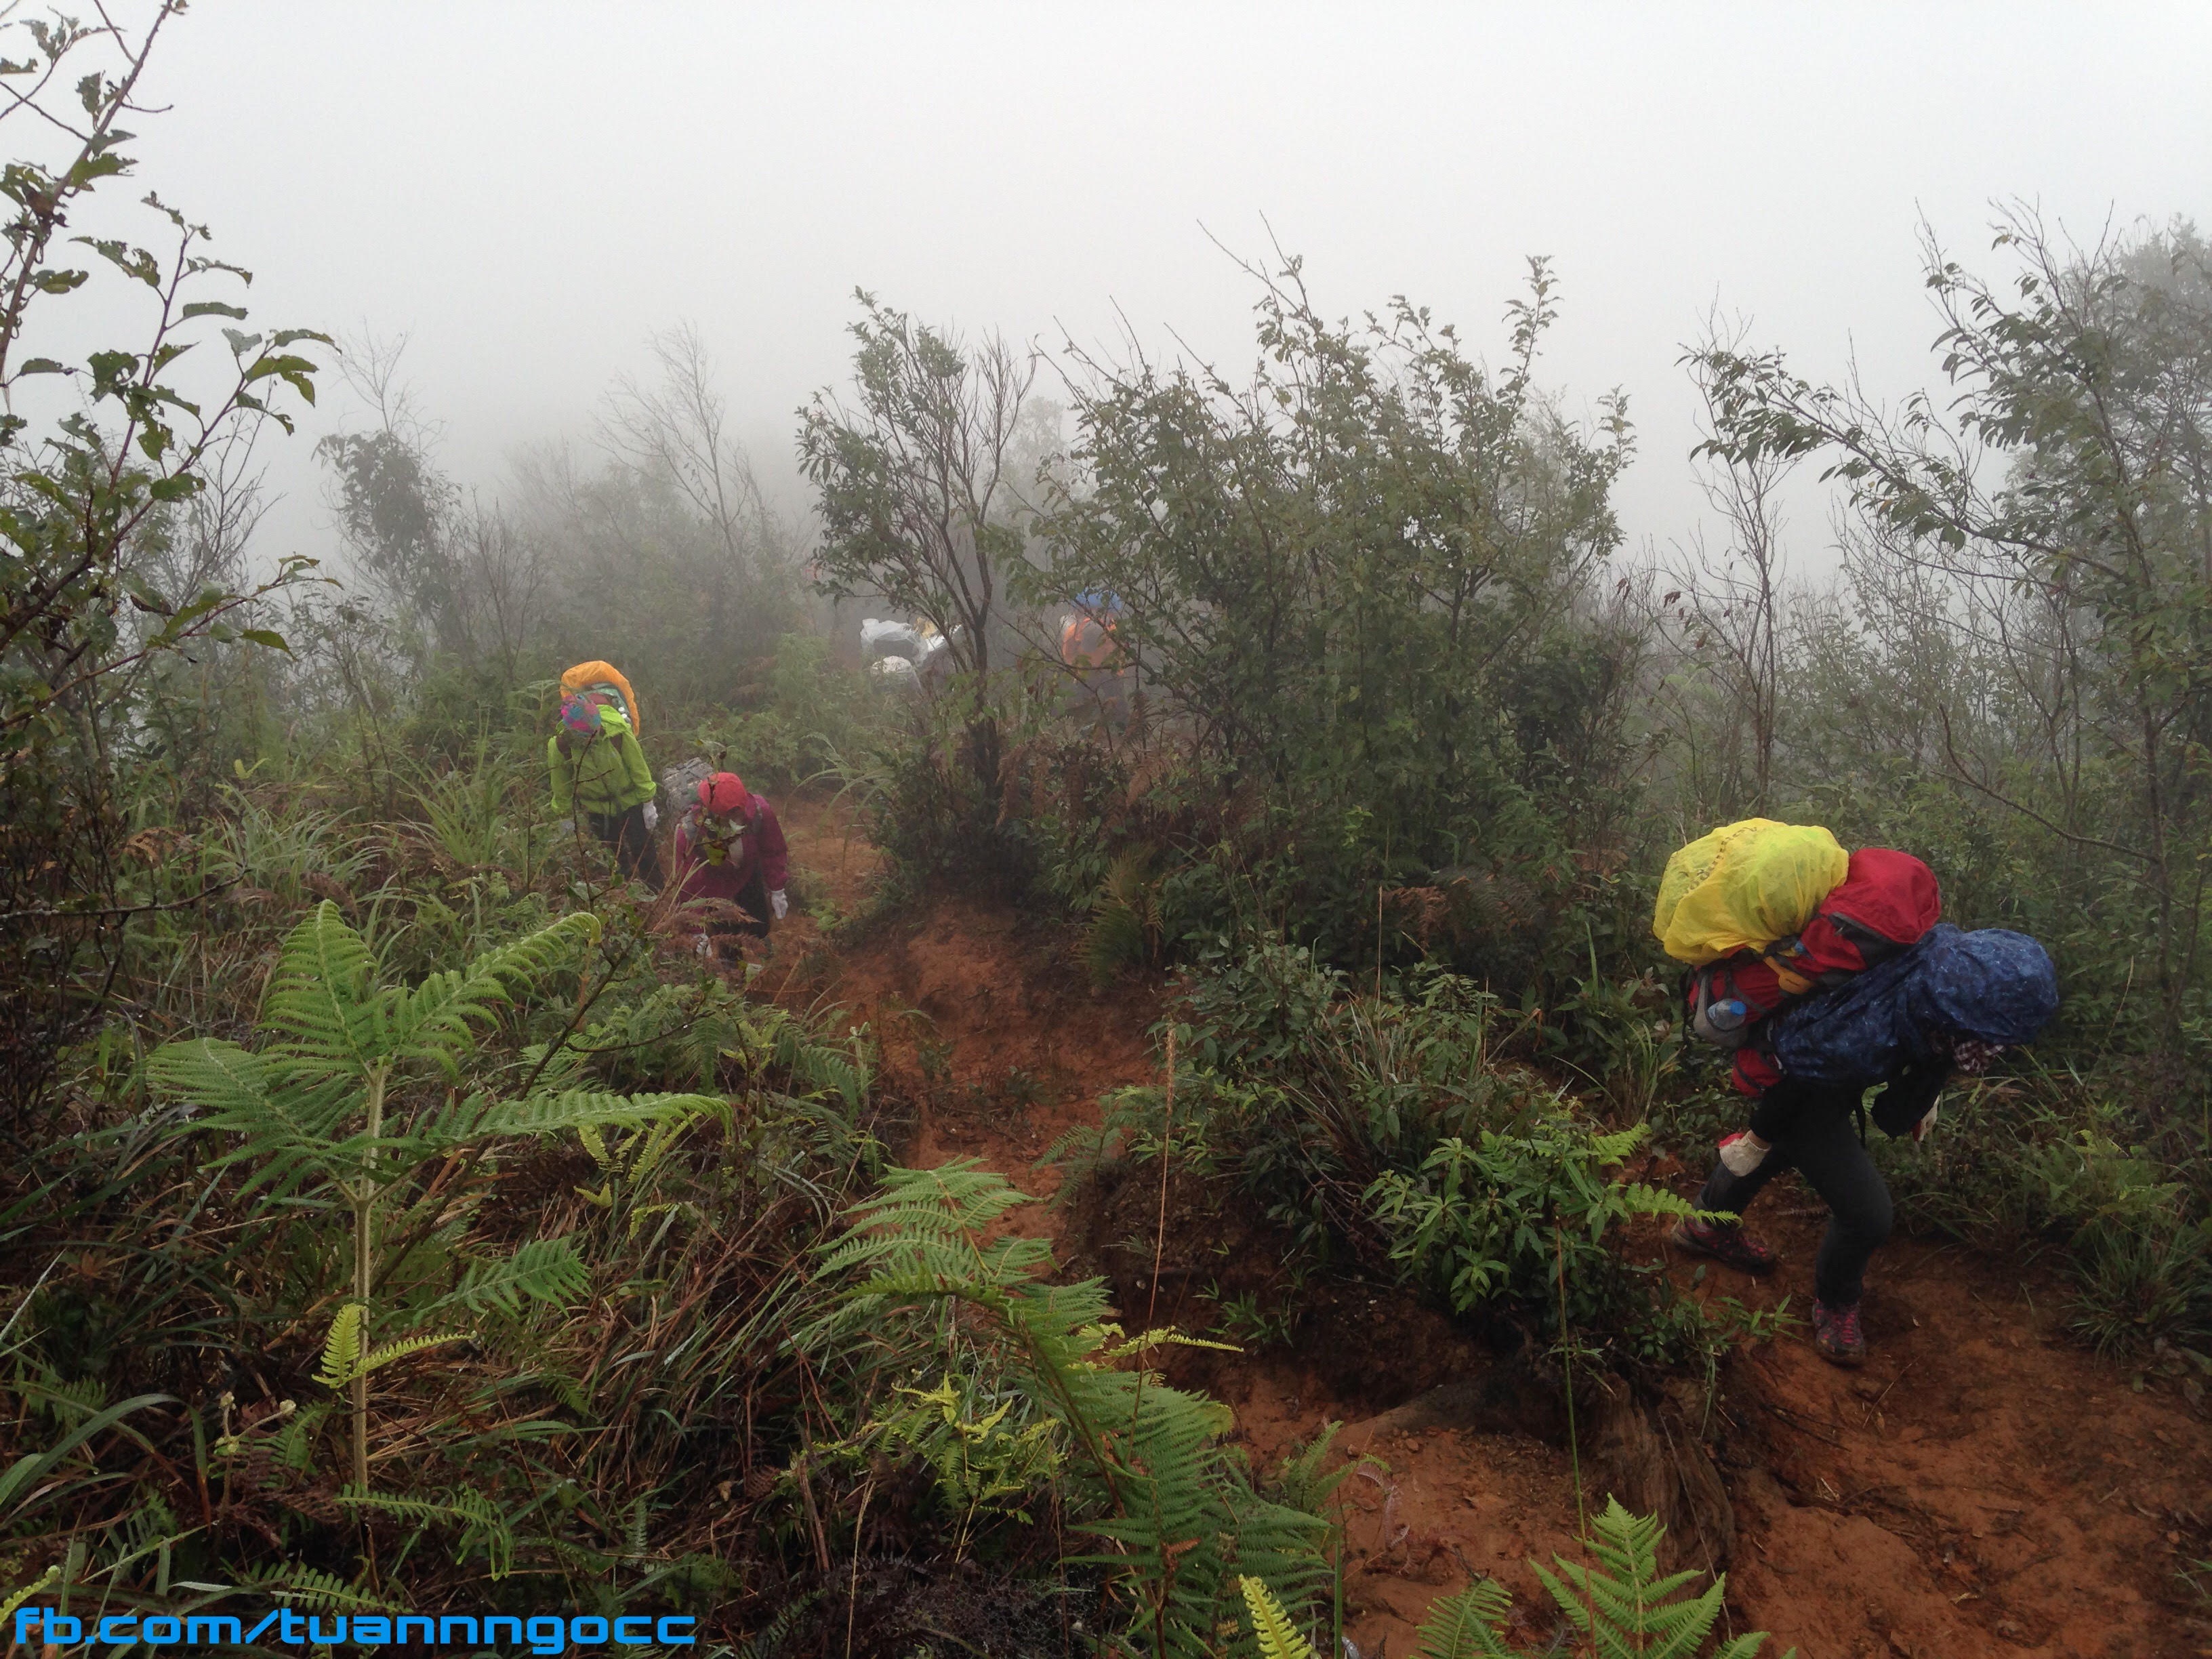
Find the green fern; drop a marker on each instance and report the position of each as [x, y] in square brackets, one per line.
[546, 1270]
[769, 1642]
[1624, 1606]
[1125, 929]
[341, 1349]
[311, 1587]
[1179, 1518]
[1468, 1626]
[479, 1519]
[345, 1363]
[1271, 1625]
[318, 1115]
[38, 1586]
[1627, 1609]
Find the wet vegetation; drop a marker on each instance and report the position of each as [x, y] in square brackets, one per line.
[399, 1219]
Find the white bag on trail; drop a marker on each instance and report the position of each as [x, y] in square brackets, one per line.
[881, 641]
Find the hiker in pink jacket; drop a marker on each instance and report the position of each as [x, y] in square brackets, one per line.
[730, 847]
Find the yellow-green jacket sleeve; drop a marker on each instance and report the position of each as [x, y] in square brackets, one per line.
[640, 775]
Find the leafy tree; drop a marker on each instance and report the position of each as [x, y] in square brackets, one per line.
[917, 485]
[99, 456]
[1361, 575]
[2062, 501]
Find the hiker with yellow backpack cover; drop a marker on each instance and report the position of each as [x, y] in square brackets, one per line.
[1829, 974]
[598, 770]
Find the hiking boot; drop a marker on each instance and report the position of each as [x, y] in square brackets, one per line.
[1837, 1334]
[1726, 1241]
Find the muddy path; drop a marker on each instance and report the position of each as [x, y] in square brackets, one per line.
[1984, 1485]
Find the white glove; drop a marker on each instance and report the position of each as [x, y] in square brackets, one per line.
[653, 815]
[566, 827]
[1920, 1129]
[779, 904]
[1742, 1153]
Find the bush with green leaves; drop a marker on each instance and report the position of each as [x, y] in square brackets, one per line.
[323, 1210]
[1361, 583]
[1523, 1217]
[798, 715]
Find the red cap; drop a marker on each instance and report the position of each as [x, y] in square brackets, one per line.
[724, 795]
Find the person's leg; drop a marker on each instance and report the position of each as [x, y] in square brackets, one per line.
[1727, 1242]
[1826, 1150]
[752, 898]
[634, 853]
[1724, 1189]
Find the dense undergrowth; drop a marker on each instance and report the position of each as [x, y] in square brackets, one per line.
[397, 1217]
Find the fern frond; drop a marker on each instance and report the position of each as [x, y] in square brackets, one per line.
[1176, 1511]
[324, 996]
[1656, 1200]
[341, 1348]
[596, 1144]
[769, 1644]
[35, 1587]
[480, 1117]
[1163, 1336]
[1627, 1609]
[478, 1517]
[385, 1353]
[288, 1117]
[819, 1067]
[645, 1213]
[344, 1362]
[1615, 1147]
[545, 1270]
[434, 1021]
[1467, 1626]
[1271, 1625]
[311, 1587]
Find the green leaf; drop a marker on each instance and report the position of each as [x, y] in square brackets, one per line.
[27, 1471]
[211, 308]
[341, 1348]
[1271, 1625]
[546, 1270]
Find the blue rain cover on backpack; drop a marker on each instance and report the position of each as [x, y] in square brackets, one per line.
[1991, 984]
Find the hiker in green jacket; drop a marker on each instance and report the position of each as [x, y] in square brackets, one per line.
[599, 773]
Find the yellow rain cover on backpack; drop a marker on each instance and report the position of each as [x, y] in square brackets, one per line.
[1745, 884]
[603, 676]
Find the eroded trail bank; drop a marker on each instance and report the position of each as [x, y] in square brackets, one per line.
[1984, 1487]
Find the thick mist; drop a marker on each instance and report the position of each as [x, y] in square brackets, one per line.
[526, 192]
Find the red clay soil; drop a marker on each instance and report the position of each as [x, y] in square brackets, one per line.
[1983, 1486]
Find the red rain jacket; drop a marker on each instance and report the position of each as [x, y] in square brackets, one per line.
[760, 849]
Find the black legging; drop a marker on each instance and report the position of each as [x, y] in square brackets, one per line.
[636, 855]
[1818, 1139]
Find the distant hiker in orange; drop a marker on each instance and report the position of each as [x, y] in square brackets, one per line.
[730, 847]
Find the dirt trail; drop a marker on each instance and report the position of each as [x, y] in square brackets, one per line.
[1984, 1487]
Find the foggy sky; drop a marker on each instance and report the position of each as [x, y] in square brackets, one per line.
[526, 190]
